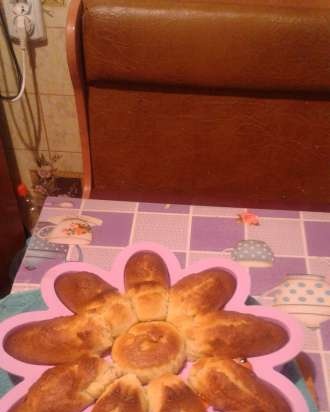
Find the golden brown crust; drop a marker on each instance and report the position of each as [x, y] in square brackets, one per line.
[149, 350]
[19, 406]
[77, 289]
[169, 393]
[200, 293]
[59, 340]
[146, 266]
[66, 338]
[149, 300]
[113, 308]
[232, 335]
[124, 395]
[68, 388]
[231, 387]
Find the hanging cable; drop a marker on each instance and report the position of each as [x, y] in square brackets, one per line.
[18, 72]
[22, 35]
[22, 88]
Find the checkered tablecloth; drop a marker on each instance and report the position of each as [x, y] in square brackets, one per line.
[300, 242]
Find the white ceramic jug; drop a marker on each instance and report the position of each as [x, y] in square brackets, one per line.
[307, 297]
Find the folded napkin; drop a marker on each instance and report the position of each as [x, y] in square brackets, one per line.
[12, 305]
[32, 300]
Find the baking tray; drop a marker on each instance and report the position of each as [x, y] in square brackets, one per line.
[263, 366]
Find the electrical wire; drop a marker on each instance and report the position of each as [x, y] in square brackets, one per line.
[22, 88]
[20, 78]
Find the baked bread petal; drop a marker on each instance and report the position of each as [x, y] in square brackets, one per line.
[146, 266]
[77, 289]
[124, 395]
[200, 293]
[232, 335]
[114, 309]
[59, 340]
[68, 388]
[230, 387]
[149, 300]
[149, 350]
[169, 393]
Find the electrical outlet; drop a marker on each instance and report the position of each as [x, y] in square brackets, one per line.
[34, 22]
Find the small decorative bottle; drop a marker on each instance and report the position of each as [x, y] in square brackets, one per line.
[29, 211]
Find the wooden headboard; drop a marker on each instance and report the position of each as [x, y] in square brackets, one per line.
[203, 102]
[75, 62]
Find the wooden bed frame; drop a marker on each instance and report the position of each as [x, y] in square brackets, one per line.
[73, 47]
[307, 194]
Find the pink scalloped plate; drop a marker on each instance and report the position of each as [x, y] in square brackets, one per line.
[264, 366]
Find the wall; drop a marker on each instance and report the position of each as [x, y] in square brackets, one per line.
[44, 121]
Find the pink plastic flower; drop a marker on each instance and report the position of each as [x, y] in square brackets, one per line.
[248, 218]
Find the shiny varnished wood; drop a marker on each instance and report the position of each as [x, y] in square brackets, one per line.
[74, 56]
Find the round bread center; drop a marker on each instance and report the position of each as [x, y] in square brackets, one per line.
[149, 349]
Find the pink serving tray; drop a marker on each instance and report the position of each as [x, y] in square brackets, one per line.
[263, 365]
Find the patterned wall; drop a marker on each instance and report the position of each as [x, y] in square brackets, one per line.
[44, 121]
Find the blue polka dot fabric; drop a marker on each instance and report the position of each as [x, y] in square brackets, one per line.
[253, 250]
[310, 292]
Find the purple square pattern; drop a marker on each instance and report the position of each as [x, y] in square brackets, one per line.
[212, 233]
[318, 238]
[115, 229]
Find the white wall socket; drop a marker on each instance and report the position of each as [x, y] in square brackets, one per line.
[32, 9]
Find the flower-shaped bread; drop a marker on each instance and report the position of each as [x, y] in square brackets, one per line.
[150, 332]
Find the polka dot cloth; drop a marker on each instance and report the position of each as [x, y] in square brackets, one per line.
[253, 250]
[42, 244]
[296, 292]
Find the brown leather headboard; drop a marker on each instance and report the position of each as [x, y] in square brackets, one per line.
[204, 101]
